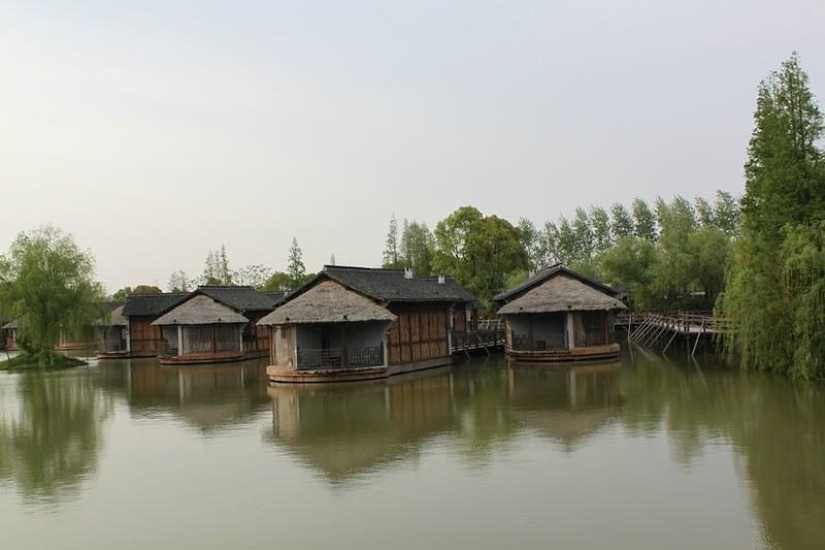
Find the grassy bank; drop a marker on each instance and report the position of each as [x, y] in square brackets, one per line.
[52, 361]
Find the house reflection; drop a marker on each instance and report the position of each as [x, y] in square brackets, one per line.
[347, 431]
[207, 397]
[566, 403]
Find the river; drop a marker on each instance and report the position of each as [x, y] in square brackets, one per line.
[642, 453]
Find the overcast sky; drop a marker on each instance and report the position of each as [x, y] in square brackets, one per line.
[154, 131]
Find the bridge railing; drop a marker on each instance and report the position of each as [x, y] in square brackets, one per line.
[681, 322]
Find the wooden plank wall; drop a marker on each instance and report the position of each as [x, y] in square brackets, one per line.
[145, 338]
[419, 333]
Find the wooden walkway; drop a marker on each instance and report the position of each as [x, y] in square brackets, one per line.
[489, 336]
[645, 329]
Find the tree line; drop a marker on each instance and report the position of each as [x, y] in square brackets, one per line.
[667, 256]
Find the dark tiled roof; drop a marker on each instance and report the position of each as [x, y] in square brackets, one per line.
[239, 298]
[275, 295]
[151, 304]
[390, 285]
[546, 274]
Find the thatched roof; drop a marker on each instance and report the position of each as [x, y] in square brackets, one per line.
[116, 318]
[201, 310]
[548, 273]
[327, 302]
[562, 292]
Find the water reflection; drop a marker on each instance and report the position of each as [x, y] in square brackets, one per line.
[347, 430]
[777, 428]
[208, 397]
[49, 443]
[568, 405]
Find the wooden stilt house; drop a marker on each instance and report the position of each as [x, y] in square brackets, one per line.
[559, 315]
[113, 334]
[354, 323]
[144, 339]
[216, 324]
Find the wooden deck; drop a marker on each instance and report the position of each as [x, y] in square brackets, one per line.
[645, 329]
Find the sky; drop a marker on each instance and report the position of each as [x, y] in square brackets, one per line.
[156, 131]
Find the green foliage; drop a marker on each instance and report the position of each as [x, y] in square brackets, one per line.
[278, 281]
[621, 225]
[391, 258]
[644, 221]
[295, 266]
[775, 283]
[629, 265]
[46, 284]
[479, 252]
[216, 271]
[417, 248]
[180, 282]
[124, 292]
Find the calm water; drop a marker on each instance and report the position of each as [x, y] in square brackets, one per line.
[638, 454]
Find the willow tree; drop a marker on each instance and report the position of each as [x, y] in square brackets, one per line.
[46, 285]
[774, 284]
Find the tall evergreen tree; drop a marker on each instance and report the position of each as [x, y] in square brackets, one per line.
[391, 259]
[774, 287]
[295, 265]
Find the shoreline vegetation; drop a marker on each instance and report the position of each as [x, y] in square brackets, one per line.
[40, 362]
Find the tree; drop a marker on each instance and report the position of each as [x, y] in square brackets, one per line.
[124, 292]
[629, 264]
[479, 252]
[549, 239]
[531, 244]
[278, 281]
[583, 236]
[600, 229]
[774, 286]
[622, 223]
[46, 283]
[644, 222]
[179, 282]
[255, 276]
[295, 266]
[417, 248]
[391, 259]
[216, 271]
[726, 213]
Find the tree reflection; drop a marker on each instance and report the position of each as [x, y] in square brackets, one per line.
[50, 445]
[774, 425]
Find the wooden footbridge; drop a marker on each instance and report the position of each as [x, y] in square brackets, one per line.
[646, 329]
[487, 337]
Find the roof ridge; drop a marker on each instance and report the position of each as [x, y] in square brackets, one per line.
[363, 268]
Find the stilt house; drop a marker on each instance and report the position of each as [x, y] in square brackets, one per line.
[141, 310]
[355, 323]
[559, 315]
[216, 324]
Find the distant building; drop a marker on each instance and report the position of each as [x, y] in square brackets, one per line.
[216, 324]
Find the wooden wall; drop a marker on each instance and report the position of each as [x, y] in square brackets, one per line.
[419, 333]
[145, 338]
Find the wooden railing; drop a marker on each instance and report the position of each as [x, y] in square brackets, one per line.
[523, 342]
[337, 358]
[680, 322]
